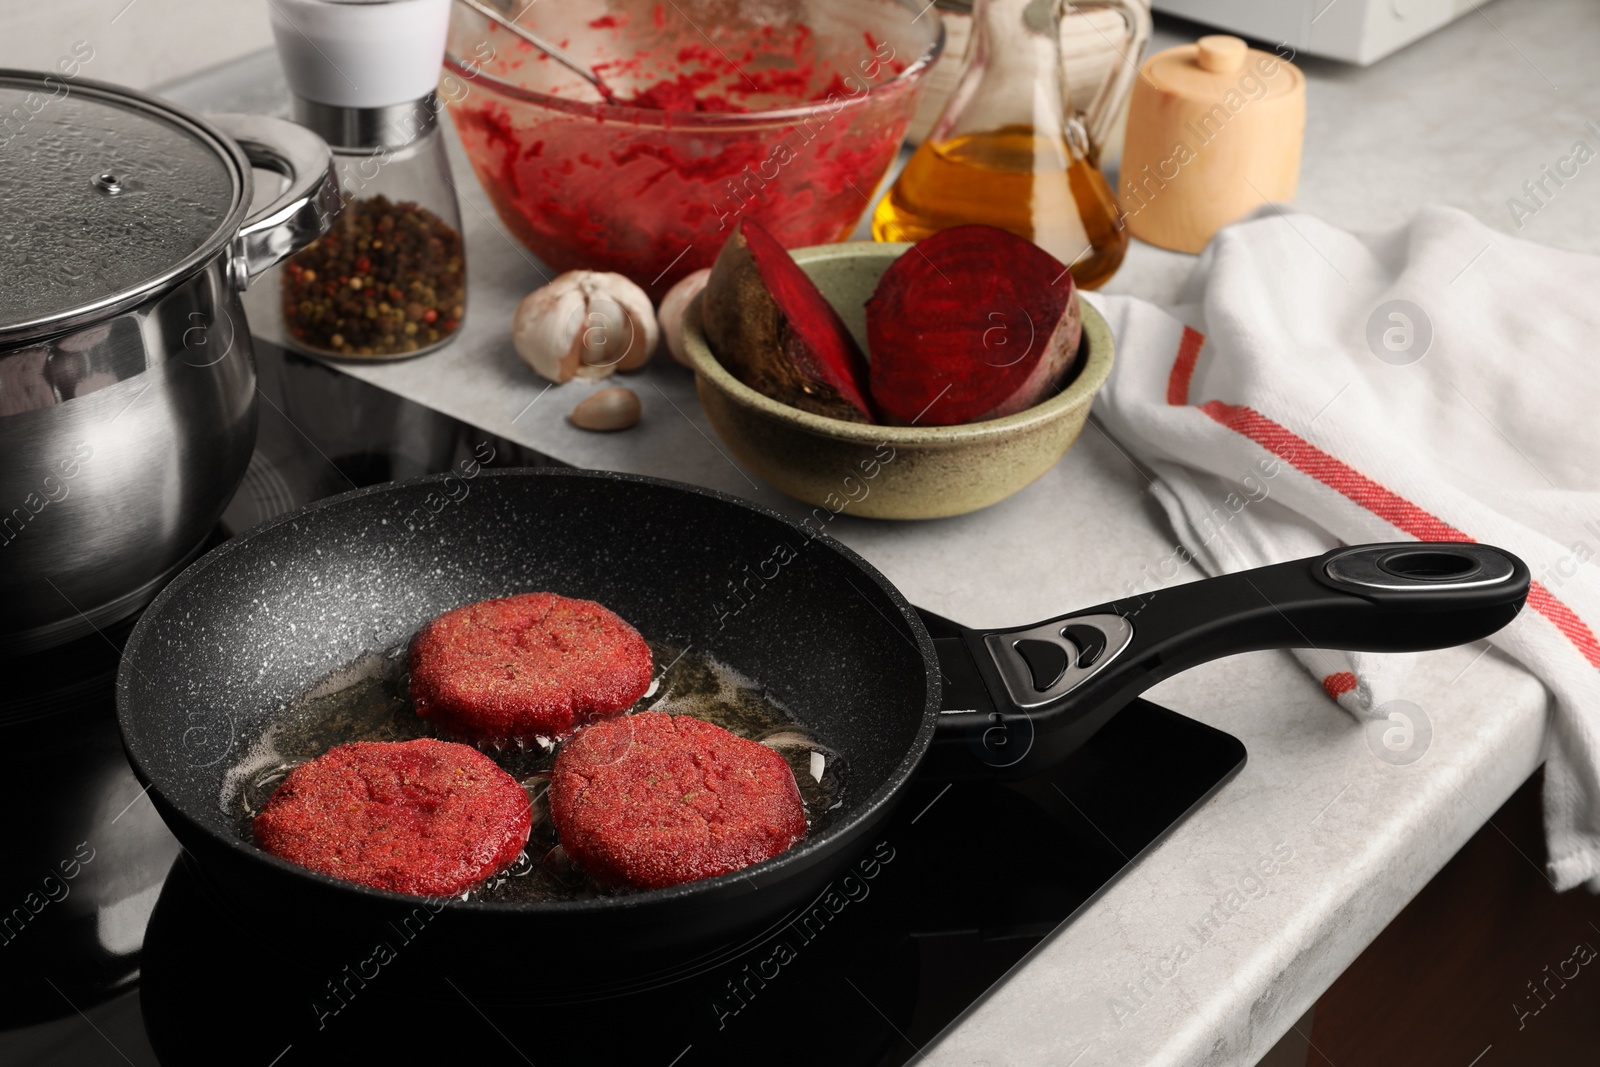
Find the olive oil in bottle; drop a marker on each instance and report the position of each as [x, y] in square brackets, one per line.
[1017, 180]
[1011, 151]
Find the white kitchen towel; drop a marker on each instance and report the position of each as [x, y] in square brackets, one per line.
[1437, 382]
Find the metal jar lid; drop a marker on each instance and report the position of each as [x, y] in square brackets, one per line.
[109, 195]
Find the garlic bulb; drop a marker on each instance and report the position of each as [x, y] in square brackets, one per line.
[585, 324]
[673, 305]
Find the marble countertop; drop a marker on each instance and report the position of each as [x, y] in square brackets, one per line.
[1190, 958]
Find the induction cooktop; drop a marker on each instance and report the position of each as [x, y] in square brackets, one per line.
[139, 958]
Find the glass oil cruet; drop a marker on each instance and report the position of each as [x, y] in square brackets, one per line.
[1010, 150]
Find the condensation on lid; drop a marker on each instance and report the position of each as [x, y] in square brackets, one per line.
[103, 195]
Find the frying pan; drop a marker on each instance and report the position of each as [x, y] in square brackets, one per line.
[259, 620]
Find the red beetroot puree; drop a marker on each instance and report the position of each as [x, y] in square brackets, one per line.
[653, 198]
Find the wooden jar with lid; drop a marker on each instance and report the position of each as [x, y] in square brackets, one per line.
[1214, 131]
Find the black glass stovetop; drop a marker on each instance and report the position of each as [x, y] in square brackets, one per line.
[115, 949]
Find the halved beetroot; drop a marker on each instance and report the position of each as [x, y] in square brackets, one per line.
[973, 323]
[774, 330]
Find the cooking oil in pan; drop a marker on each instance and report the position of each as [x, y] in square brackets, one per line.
[369, 700]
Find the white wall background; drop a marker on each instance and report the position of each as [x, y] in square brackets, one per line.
[139, 43]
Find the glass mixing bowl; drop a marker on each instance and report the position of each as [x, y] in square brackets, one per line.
[787, 112]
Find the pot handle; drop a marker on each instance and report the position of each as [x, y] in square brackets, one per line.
[297, 216]
[1050, 686]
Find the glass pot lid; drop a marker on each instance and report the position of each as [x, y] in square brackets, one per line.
[108, 195]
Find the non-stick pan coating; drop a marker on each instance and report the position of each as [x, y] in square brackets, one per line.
[257, 621]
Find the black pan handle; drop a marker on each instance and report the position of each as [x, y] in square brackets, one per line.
[1019, 700]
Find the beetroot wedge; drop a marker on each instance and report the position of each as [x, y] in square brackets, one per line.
[973, 323]
[774, 330]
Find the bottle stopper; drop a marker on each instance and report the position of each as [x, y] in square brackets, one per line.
[1215, 130]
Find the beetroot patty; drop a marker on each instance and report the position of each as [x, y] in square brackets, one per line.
[534, 665]
[425, 817]
[652, 800]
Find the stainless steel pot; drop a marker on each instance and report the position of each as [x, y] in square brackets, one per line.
[127, 380]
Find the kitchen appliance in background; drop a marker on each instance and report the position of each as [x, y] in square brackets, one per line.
[127, 382]
[1356, 31]
[389, 280]
[1214, 131]
[1011, 150]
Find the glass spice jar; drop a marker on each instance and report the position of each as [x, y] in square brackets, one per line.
[388, 281]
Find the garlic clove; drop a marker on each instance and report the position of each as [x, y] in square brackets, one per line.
[610, 409]
[673, 307]
[585, 324]
[544, 332]
[617, 329]
[644, 331]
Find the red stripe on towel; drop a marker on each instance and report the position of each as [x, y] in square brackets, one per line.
[1387, 505]
[1183, 367]
[1339, 683]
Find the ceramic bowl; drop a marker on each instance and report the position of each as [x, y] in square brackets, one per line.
[889, 472]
